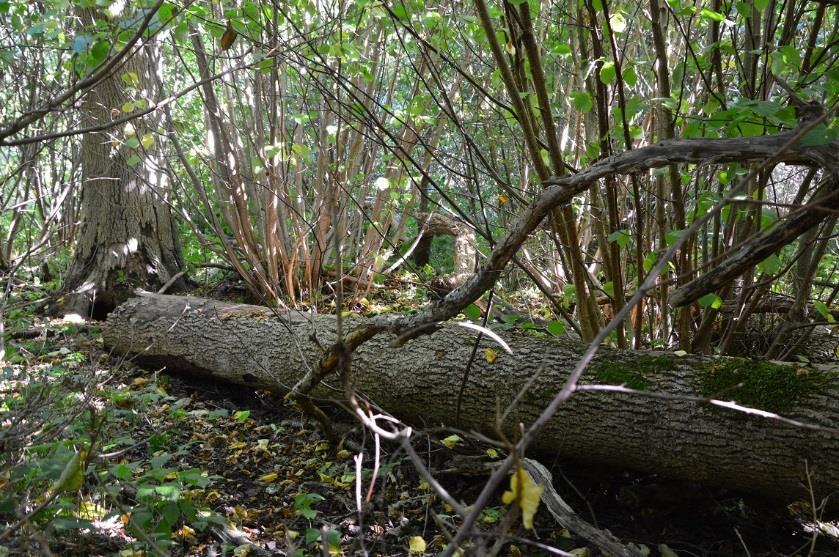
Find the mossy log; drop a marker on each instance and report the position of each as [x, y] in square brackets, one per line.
[672, 435]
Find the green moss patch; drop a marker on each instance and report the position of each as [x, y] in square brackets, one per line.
[764, 385]
[634, 373]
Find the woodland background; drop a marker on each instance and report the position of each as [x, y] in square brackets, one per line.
[642, 176]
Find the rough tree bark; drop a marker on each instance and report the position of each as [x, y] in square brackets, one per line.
[128, 237]
[676, 437]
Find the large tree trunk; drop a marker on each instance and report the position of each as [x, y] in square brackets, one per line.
[699, 441]
[128, 237]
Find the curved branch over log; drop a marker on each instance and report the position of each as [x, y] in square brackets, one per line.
[667, 434]
[562, 190]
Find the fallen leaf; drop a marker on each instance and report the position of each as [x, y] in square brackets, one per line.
[416, 545]
[526, 493]
[451, 441]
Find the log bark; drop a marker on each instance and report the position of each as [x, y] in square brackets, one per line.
[417, 382]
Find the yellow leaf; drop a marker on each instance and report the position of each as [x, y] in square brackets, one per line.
[147, 141]
[526, 493]
[416, 545]
[502, 198]
[492, 453]
[490, 355]
[185, 532]
[139, 382]
[451, 441]
[269, 477]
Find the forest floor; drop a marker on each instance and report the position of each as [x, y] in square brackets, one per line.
[185, 467]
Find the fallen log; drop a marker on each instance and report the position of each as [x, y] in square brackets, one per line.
[678, 434]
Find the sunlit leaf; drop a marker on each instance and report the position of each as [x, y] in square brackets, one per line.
[416, 544]
[608, 73]
[617, 22]
[451, 441]
[710, 300]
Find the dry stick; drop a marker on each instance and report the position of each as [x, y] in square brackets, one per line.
[570, 385]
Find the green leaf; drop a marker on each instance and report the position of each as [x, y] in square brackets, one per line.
[472, 312]
[649, 261]
[556, 328]
[303, 504]
[820, 135]
[608, 73]
[100, 51]
[712, 15]
[710, 300]
[620, 236]
[824, 311]
[72, 476]
[133, 160]
[674, 236]
[581, 101]
[630, 78]
[399, 11]
[562, 50]
[770, 265]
